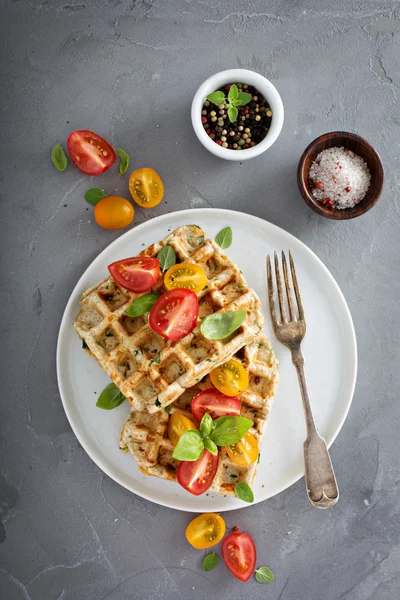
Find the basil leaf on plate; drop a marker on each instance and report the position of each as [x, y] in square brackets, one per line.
[142, 305]
[219, 325]
[224, 237]
[94, 195]
[206, 424]
[229, 430]
[124, 160]
[189, 447]
[210, 562]
[59, 157]
[264, 575]
[110, 397]
[244, 492]
[211, 447]
[167, 258]
[216, 97]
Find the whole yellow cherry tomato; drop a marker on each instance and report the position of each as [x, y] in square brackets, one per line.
[185, 275]
[245, 451]
[205, 531]
[177, 425]
[114, 212]
[146, 187]
[231, 378]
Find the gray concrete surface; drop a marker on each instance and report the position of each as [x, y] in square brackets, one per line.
[122, 68]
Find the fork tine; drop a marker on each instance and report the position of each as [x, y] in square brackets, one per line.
[280, 289]
[292, 312]
[296, 287]
[271, 292]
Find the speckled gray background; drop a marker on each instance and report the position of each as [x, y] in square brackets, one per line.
[122, 68]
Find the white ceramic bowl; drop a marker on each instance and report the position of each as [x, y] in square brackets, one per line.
[262, 84]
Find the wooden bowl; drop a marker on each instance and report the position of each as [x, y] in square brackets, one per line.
[349, 141]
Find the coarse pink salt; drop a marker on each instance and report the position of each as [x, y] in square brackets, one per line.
[339, 178]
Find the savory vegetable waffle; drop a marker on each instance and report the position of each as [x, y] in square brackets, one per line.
[149, 370]
[146, 436]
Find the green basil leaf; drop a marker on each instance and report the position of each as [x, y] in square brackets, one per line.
[142, 305]
[210, 562]
[94, 195]
[216, 98]
[168, 409]
[244, 98]
[229, 430]
[233, 113]
[205, 425]
[244, 492]
[167, 258]
[189, 447]
[233, 91]
[157, 403]
[224, 238]
[200, 239]
[110, 397]
[264, 575]
[235, 102]
[124, 160]
[211, 447]
[59, 157]
[156, 359]
[219, 325]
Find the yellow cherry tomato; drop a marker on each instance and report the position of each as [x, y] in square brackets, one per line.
[114, 212]
[244, 452]
[205, 531]
[177, 425]
[146, 187]
[230, 378]
[185, 275]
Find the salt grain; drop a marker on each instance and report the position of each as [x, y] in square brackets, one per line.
[339, 178]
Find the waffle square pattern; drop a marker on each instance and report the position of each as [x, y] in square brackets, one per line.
[146, 436]
[150, 371]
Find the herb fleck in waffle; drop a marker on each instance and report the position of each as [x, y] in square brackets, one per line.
[146, 436]
[149, 370]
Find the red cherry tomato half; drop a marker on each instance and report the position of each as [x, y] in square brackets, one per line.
[137, 274]
[214, 403]
[89, 152]
[197, 476]
[175, 313]
[240, 555]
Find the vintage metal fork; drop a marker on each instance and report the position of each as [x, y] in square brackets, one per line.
[322, 489]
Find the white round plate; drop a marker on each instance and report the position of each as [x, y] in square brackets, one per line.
[329, 348]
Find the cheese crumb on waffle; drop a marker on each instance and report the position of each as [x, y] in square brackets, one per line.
[149, 370]
[146, 436]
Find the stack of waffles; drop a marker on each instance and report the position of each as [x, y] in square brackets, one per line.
[155, 374]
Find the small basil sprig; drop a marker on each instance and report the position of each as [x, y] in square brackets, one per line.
[221, 432]
[220, 325]
[264, 575]
[124, 160]
[142, 305]
[110, 397]
[210, 562]
[167, 258]
[224, 238]
[94, 195]
[59, 157]
[244, 492]
[234, 99]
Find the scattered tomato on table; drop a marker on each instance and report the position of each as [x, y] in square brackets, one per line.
[89, 152]
[240, 555]
[114, 212]
[146, 187]
[205, 531]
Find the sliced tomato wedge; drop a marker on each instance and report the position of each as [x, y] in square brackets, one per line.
[214, 403]
[174, 314]
[89, 152]
[137, 274]
[240, 555]
[197, 476]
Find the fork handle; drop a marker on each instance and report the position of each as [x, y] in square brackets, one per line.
[322, 488]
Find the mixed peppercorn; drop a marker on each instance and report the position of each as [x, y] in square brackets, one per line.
[249, 129]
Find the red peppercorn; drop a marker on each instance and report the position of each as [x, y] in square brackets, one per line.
[228, 87]
[218, 142]
[236, 528]
[257, 380]
[246, 111]
[330, 203]
[319, 185]
[348, 189]
[204, 119]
